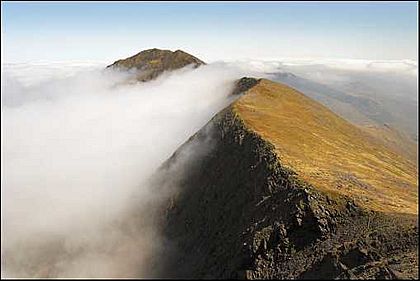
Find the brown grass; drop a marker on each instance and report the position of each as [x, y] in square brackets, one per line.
[328, 151]
[395, 140]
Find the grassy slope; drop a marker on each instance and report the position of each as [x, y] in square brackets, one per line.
[394, 139]
[327, 151]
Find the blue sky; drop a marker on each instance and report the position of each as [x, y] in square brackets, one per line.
[107, 31]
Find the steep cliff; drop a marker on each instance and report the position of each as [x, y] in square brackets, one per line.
[250, 207]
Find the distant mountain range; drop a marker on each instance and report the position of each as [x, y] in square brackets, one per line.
[289, 188]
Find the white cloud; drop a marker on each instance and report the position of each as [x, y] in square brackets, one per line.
[406, 67]
[78, 145]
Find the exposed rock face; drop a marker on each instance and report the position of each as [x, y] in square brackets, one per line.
[244, 84]
[239, 213]
[153, 62]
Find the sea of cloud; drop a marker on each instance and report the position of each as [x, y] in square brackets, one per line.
[79, 143]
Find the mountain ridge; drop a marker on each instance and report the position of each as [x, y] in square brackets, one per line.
[239, 212]
[309, 138]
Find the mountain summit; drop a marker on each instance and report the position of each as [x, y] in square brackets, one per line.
[153, 62]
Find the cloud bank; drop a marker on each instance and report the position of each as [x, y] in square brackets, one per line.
[79, 145]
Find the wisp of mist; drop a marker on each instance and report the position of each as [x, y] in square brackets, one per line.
[78, 144]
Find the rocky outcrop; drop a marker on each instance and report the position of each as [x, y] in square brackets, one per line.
[244, 84]
[237, 212]
[149, 64]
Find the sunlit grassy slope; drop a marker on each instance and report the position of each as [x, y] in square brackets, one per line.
[328, 151]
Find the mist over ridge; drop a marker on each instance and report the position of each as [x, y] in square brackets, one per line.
[78, 147]
[80, 143]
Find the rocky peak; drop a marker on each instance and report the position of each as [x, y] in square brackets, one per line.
[153, 62]
[244, 84]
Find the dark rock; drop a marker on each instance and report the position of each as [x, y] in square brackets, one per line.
[244, 84]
